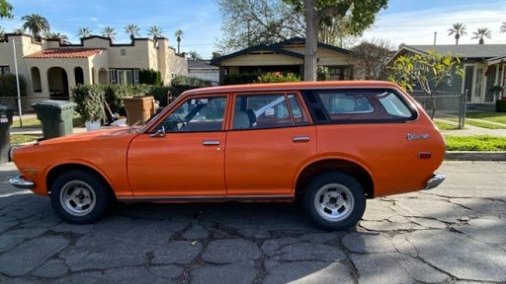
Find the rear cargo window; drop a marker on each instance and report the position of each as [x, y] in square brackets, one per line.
[364, 105]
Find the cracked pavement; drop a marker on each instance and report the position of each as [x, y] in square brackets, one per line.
[453, 234]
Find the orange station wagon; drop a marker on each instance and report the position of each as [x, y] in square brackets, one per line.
[330, 145]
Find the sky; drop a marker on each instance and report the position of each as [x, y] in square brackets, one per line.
[404, 21]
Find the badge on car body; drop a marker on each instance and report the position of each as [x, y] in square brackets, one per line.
[414, 136]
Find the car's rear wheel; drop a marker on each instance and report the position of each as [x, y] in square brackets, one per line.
[334, 201]
[80, 197]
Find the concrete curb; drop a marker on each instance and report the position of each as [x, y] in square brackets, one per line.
[475, 156]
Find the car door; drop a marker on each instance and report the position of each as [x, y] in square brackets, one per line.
[185, 157]
[270, 139]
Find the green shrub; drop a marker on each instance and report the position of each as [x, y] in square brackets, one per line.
[475, 143]
[90, 101]
[180, 84]
[234, 79]
[500, 106]
[189, 81]
[8, 87]
[150, 77]
[160, 94]
[114, 95]
[277, 77]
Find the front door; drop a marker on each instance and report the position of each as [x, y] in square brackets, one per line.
[269, 141]
[186, 156]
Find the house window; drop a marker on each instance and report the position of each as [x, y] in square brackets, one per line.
[124, 76]
[36, 83]
[340, 73]
[5, 70]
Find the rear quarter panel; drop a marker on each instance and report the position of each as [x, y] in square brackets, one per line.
[385, 151]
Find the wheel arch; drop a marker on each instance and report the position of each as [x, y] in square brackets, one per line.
[56, 170]
[335, 164]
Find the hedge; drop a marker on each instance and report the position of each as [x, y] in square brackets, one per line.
[150, 77]
[8, 87]
[234, 79]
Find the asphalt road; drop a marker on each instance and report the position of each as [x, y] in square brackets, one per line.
[455, 233]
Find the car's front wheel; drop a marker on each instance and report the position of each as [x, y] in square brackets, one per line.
[80, 197]
[334, 201]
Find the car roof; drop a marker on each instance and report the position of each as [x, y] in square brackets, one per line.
[292, 86]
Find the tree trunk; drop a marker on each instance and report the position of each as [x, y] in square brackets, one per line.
[310, 60]
[433, 105]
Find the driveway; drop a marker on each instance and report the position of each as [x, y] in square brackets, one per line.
[454, 233]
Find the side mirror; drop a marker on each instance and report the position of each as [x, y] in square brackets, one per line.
[159, 133]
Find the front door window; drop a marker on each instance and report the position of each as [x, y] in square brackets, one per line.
[202, 114]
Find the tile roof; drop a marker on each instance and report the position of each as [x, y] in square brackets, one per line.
[465, 50]
[65, 53]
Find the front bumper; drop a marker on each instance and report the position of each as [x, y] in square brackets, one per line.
[434, 181]
[19, 182]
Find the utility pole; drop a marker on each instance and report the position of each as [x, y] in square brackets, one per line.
[17, 82]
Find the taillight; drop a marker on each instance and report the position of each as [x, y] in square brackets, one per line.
[424, 155]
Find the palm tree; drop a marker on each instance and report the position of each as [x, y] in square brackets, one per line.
[132, 30]
[459, 29]
[2, 33]
[109, 32]
[36, 24]
[84, 32]
[503, 27]
[63, 38]
[17, 31]
[155, 31]
[179, 35]
[481, 34]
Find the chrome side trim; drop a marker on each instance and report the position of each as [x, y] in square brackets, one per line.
[208, 198]
[19, 182]
[434, 181]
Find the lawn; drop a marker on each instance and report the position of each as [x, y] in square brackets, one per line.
[17, 139]
[35, 123]
[499, 117]
[484, 123]
[475, 143]
[445, 126]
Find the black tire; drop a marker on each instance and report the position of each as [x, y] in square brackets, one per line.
[343, 193]
[96, 194]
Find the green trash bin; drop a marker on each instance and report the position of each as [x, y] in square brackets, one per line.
[55, 116]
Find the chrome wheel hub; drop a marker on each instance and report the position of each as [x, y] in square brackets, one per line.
[77, 198]
[334, 202]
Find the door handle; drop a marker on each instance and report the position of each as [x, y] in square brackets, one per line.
[299, 139]
[210, 142]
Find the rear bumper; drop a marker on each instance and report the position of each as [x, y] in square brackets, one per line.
[19, 182]
[434, 181]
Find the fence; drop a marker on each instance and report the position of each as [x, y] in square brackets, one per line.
[449, 106]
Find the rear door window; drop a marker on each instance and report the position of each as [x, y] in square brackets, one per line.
[367, 105]
[267, 111]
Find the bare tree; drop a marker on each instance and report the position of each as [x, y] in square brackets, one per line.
[372, 58]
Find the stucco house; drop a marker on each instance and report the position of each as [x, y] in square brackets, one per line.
[51, 69]
[484, 67]
[287, 56]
